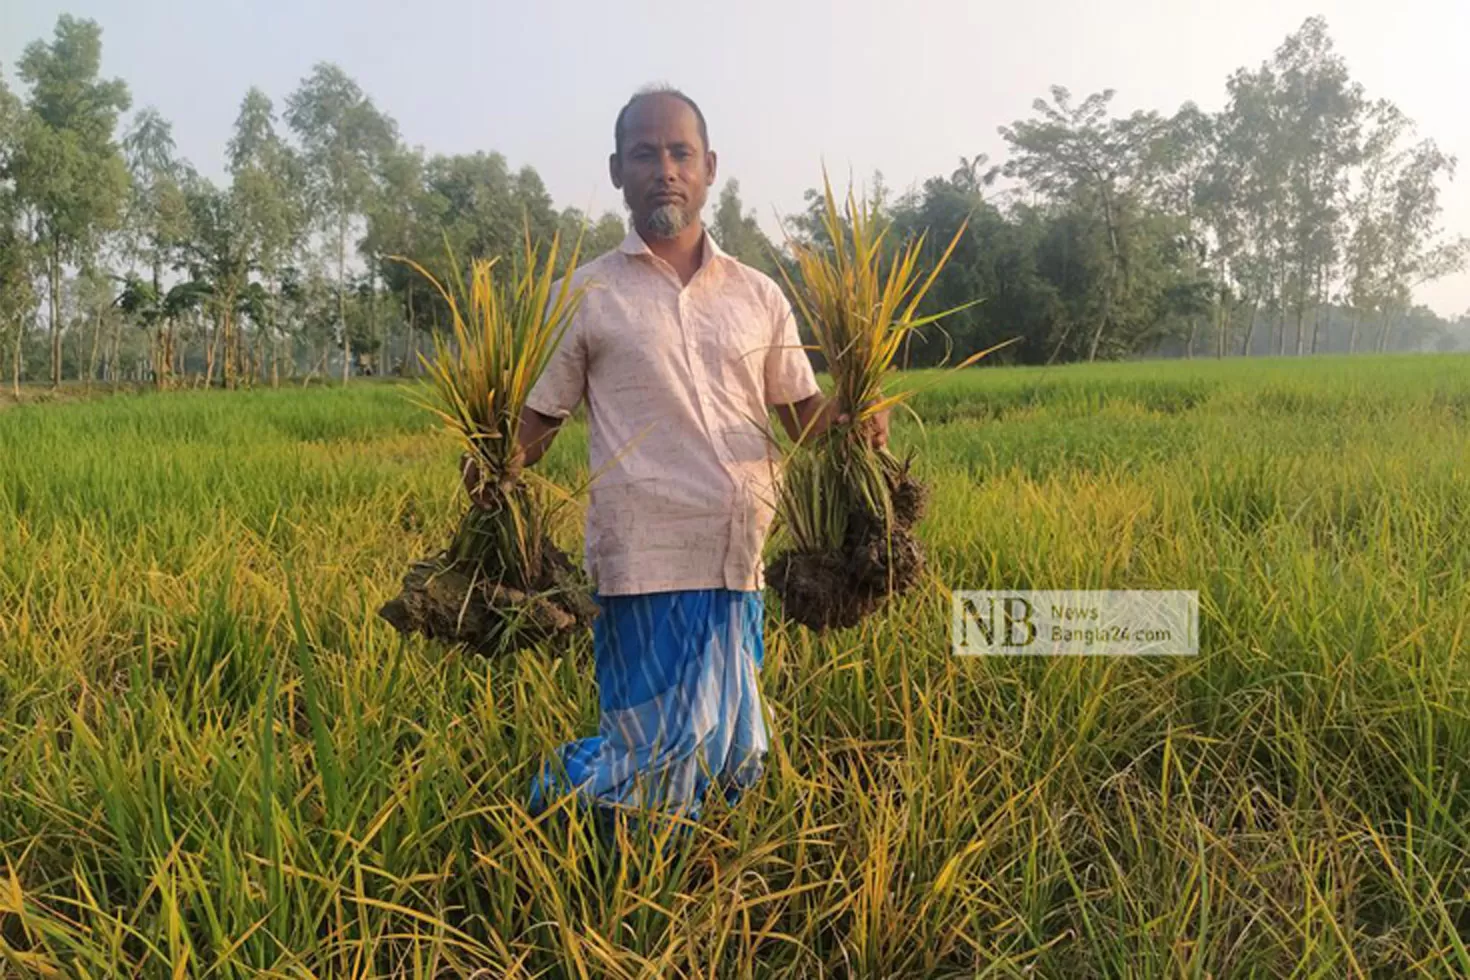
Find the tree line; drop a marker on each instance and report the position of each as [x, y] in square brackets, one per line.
[1298, 219]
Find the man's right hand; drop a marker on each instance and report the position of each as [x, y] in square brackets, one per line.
[469, 469]
[483, 496]
[535, 435]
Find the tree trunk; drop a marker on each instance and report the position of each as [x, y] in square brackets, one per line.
[209, 354]
[53, 275]
[1316, 327]
[1250, 330]
[112, 362]
[321, 364]
[79, 355]
[155, 355]
[1353, 336]
[158, 365]
[1301, 315]
[411, 356]
[15, 362]
[373, 324]
[96, 341]
[342, 295]
[165, 356]
[1193, 329]
[233, 362]
[1060, 342]
[1107, 310]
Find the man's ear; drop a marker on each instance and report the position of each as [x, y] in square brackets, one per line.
[711, 164]
[615, 170]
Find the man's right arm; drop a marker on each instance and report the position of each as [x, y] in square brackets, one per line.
[536, 433]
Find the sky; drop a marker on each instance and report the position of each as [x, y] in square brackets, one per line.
[785, 84]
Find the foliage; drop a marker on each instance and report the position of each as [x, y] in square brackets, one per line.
[505, 330]
[1292, 801]
[1301, 218]
[67, 170]
[739, 233]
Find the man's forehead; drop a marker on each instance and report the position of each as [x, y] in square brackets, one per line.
[661, 137]
[661, 119]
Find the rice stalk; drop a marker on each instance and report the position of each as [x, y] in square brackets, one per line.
[502, 579]
[845, 507]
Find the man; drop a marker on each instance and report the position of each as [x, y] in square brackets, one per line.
[680, 352]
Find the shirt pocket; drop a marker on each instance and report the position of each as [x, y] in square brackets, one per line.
[737, 344]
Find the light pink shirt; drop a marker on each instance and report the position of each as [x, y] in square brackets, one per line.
[679, 381]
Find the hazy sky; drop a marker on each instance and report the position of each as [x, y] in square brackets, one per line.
[784, 83]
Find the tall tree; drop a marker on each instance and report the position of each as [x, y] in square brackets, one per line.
[219, 254]
[265, 175]
[157, 223]
[1415, 250]
[470, 197]
[17, 293]
[533, 208]
[1180, 168]
[1080, 156]
[1318, 117]
[740, 234]
[343, 136]
[1370, 214]
[399, 225]
[1243, 197]
[68, 172]
[603, 235]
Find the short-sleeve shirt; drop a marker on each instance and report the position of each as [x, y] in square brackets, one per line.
[679, 381]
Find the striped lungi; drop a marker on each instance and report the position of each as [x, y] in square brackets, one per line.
[680, 710]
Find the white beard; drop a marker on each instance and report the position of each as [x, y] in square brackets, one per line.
[666, 221]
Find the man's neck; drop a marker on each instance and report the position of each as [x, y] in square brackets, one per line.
[685, 251]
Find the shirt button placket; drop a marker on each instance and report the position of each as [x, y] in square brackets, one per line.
[700, 376]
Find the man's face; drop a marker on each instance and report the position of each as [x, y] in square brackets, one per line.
[664, 169]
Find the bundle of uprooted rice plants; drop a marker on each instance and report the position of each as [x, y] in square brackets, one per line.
[846, 510]
[502, 581]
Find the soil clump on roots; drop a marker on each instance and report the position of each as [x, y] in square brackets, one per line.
[465, 602]
[824, 590]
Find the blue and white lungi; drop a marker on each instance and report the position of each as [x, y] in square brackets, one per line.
[680, 709]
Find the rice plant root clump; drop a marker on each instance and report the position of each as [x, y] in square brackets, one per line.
[846, 507]
[462, 602]
[835, 589]
[502, 582]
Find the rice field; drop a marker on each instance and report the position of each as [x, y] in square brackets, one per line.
[215, 761]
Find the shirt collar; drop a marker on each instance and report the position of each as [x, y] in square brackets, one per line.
[634, 244]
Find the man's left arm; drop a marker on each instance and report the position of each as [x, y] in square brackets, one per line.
[817, 413]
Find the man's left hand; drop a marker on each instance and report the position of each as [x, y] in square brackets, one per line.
[874, 427]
